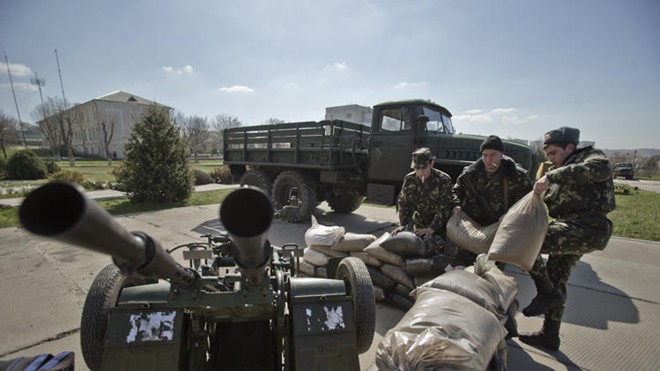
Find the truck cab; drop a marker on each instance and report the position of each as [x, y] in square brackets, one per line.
[400, 127]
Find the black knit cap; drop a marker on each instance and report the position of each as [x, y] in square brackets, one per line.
[492, 142]
[562, 135]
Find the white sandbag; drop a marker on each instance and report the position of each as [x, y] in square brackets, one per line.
[442, 330]
[315, 257]
[307, 268]
[366, 258]
[473, 287]
[354, 242]
[521, 233]
[323, 235]
[322, 272]
[328, 251]
[508, 286]
[468, 234]
[374, 249]
[406, 244]
[397, 273]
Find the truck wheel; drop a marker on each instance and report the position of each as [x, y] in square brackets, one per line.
[358, 284]
[102, 296]
[344, 203]
[294, 194]
[258, 179]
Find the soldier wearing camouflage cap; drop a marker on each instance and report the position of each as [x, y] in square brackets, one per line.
[425, 199]
[579, 192]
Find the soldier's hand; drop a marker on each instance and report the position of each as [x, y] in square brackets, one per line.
[456, 210]
[541, 185]
[397, 230]
[424, 232]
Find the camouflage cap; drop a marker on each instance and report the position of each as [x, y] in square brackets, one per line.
[421, 158]
[562, 135]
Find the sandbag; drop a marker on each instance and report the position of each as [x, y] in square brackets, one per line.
[374, 249]
[366, 258]
[508, 286]
[402, 290]
[315, 257]
[442, 330]
[433, 266]
[329, 251]
[379, 279]
[398, 274]
[407, 244]
[399, 301]
[379, 293]
[353, 242]
[473, 287]
[521, 233]
[323, 235]
[322, 272]
[307, 268]
[468, 234]
[420, 280]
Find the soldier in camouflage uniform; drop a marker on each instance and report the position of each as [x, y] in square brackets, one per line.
[425, 200]
[487, 188]
[579, 193]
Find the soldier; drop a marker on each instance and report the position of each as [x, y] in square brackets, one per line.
[488, 187]
[579, 193]
[425, 199]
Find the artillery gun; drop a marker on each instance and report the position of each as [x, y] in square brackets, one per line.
[147, 312]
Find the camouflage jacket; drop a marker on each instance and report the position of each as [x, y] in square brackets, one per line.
[582, 185]
[427, 204]
[489, 190]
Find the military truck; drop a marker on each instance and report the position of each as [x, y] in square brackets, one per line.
[302, 164]
[624, 169]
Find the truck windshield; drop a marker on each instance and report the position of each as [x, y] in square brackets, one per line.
[438, 122]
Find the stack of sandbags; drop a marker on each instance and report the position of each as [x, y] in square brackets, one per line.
[457, 321]
[470, 235]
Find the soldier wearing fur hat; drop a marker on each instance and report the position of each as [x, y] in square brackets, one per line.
[425, 199]
[488, 187]
[579, 192]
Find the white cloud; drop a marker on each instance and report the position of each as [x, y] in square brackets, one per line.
[337, 66]
[503, 110]
[187, 70]
[18, 70]
[406, 85]
[502, 115]
[21, 86]
[237, 89]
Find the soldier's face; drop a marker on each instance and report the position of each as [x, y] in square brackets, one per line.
[424, 172]
[492, 159]
[558, 155]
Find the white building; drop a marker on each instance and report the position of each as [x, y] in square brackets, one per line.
[352, 113]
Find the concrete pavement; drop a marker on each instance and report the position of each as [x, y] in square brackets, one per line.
[611, 321]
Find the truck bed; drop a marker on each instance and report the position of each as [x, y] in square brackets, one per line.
[325, 145]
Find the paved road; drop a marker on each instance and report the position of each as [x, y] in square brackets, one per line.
[647, 185]
[612, 321]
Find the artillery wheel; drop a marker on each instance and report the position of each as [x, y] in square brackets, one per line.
[344, 203]
[358, 284]
[291, 185]
[102, 296]
[258, 179]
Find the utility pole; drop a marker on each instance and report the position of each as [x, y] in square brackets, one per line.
[60, 73]
[11, 82]
[39, 82]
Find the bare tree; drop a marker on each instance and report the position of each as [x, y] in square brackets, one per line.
[224, 121]
[46, 118]
[7, 131]
[273, 121]
[107, 138]
[195, 130]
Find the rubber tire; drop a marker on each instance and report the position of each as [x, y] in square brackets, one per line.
[355, 275]
[284, 183]
[258, 179]
[344, 203]
[102, 296]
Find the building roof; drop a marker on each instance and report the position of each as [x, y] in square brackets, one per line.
[121, 96]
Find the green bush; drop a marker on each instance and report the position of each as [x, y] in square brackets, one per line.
[52, 167]
[25, 165]
[221, 175]
[202, 178]
[3, 165]
[68, 175]
[156, 167]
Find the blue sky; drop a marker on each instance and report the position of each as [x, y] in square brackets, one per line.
[515, 68]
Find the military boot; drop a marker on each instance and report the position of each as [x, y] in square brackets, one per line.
[547, 297]
[547, 338]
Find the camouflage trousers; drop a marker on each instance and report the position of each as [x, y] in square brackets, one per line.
[565, 243]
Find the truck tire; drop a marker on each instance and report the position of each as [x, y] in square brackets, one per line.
[291, 184]
[344, 203]
[102, 296]
[258, 179]
[358, 284]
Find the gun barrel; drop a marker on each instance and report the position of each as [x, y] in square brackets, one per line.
[60, 210]
[247, 214]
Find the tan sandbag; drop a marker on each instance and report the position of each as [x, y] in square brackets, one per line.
[307, 268]
[328, 251]
[407, 244]
[468, 234]
[442, 330]
[379, 293]
[315, 257]
[521, 233]
[380, 279]
[508, 286]
[398, 274]
[354, 242]
[473, 287]
[322, 272]
[366, 258]
[374, 249]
